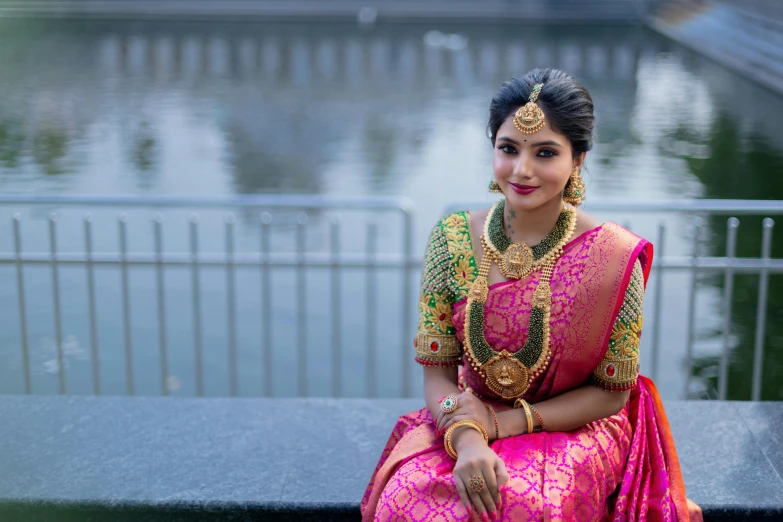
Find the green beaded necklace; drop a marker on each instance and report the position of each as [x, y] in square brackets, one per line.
[505, 373]
[516, 260]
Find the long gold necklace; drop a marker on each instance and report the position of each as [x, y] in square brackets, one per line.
[517, 260]
[505, 373]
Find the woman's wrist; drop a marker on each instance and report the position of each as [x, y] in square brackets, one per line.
[464, 437]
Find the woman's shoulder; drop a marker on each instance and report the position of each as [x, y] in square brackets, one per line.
[585, 222]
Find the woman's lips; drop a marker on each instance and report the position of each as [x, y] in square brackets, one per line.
[523, 189]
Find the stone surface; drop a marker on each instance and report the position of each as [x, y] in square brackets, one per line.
[154, 459]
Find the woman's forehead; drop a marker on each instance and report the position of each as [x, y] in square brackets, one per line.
[508, 129]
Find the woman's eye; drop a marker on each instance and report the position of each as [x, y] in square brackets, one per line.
[547, 153]
[508, 149]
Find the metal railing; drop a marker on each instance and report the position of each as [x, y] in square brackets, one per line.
[336, 260]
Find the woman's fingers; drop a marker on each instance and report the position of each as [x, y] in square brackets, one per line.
[463, 492]
[451, 420]
[501, 473]
[491, 494]
[477, 497]
[437, 420]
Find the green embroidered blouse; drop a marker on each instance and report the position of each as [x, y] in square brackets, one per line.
[450, 268]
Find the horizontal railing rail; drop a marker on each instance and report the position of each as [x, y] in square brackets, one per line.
[336, 259]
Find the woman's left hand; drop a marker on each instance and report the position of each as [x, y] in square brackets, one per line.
[468, 407]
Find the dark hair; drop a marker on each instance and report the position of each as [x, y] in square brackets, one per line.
[566, 104]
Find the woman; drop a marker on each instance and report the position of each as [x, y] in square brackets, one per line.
[547, 417]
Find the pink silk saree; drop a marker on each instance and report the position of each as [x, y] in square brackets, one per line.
[622, 468]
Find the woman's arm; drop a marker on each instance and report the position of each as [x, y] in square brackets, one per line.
[568, 411]
[439, 381]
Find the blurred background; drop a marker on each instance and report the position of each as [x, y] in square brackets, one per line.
[382, 104]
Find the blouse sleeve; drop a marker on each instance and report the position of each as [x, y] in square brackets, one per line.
[620, 366]
[436, 341]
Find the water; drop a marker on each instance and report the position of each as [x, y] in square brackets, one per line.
[208, 109]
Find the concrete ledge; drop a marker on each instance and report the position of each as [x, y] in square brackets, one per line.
[154, 459]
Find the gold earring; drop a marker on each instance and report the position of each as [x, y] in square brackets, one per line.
[574, 192]
[494, 188]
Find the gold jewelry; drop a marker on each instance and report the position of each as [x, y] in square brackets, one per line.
[540, 418]
[477, 484]
[494, 188]
[509, 374]
[574, 192]
[494, 420]
[467, 423]
[449, 404]
[517, 260]
[528, 414]
[529, 119]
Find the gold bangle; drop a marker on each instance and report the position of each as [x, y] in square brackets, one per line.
[528, 415]
[540, 419]
[469, 423]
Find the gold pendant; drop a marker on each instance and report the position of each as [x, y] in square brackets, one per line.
[529, 119]
[517, 261]
[506, 376]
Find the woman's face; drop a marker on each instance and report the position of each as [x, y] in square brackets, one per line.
[532, 169]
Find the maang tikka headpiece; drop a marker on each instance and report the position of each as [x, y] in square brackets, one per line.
[530, 118]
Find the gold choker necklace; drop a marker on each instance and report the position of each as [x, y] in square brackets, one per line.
[517, 260]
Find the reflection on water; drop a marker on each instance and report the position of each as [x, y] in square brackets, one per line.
[176, 108]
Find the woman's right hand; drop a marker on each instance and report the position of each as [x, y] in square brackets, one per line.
[476, 459]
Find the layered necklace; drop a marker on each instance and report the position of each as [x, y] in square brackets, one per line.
[510, 374]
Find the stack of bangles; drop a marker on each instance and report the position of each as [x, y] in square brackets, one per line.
[529, 412]
[476, 425]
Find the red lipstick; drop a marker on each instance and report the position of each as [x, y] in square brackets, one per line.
[523, 189]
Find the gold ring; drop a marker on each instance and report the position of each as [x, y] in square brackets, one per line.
[449, 404]
[477, 484]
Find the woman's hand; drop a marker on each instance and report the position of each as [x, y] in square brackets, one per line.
[468, 407]
[477, 462]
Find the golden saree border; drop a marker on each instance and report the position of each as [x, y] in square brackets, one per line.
[618, 249]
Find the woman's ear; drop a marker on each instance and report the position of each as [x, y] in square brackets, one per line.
[579, 160]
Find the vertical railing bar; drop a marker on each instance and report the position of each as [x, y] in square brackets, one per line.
[266, 304]
[96, 377]
[58, 327]
[196, 284]
[698, 229]
[406, 302]
[231, 305]
[761, 309]
[301, 222]
[22, 306]
[728, 294]
[126, 318]
[656, 333]
[336, 304]
[370, 344]
[164, 367]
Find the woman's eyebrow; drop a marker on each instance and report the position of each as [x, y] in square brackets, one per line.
[539, 144]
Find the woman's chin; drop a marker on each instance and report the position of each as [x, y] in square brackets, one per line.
[525, 202]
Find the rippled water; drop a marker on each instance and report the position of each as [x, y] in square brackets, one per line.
[206, 109]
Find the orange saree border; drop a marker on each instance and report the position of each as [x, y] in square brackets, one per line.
[687, 511]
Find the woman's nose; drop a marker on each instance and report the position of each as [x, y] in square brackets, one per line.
[522, 167]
